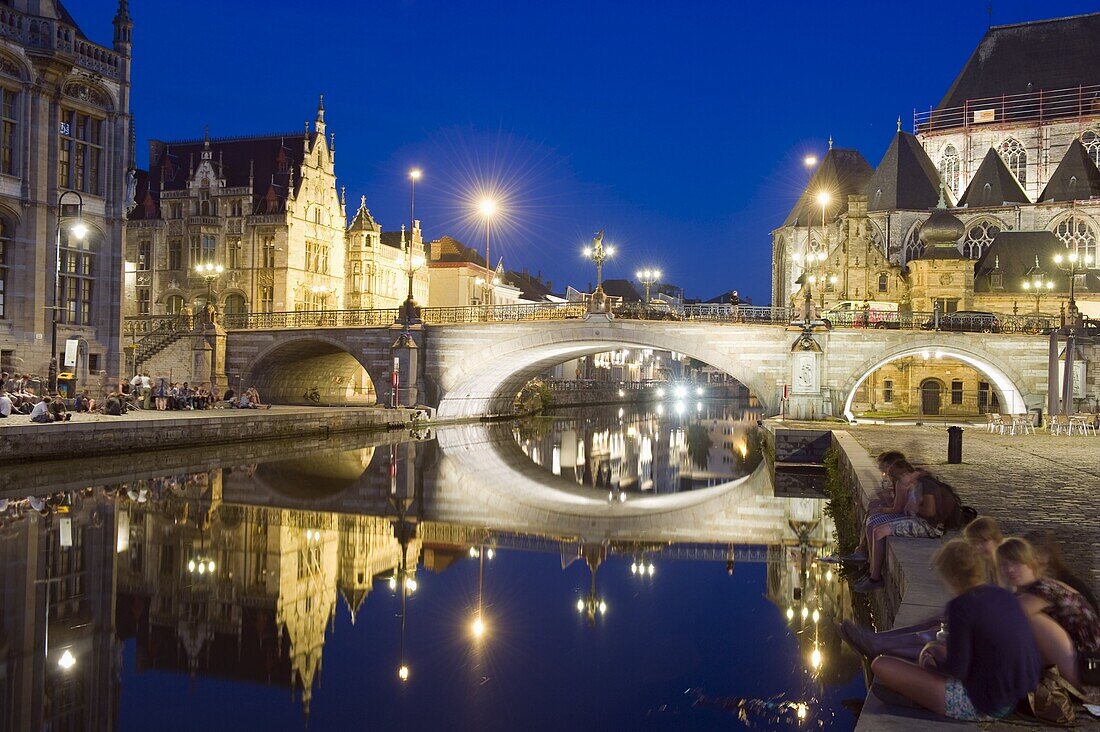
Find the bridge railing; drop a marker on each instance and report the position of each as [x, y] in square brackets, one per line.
[311, 319]
[727, 313]
[503, 313]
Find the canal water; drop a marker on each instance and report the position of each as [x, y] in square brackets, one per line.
[601, 568]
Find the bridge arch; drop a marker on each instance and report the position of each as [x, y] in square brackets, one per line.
[1004, 378]
[288, 370]
[485, 380]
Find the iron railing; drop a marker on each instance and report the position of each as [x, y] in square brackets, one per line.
[968, 322]
[1038, 106]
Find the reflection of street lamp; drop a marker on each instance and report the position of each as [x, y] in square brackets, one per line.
[209, 272]
[79, 230]
[1073, 264]
[1036, 282]
[67, 660]
[647, 277]
[488, 208]
[599, 254]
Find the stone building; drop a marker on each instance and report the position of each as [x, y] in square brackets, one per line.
[264, 209]
[377, 264]
[65, 130]
[458, 277]
[1016, 148]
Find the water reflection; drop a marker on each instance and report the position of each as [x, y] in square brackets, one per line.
[240, 572]
[648, 449]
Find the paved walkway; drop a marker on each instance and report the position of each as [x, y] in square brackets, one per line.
[1025, 482]
[152, 415]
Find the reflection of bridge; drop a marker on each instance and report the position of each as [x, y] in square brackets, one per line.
[474, 363]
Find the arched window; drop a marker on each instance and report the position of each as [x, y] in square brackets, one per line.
[949, 168]
[1077, 233]
[883, 281]
[235, 305]
[1090, 138]
[979, 235]
[1015, 157]
[174, 304]
[913, 247]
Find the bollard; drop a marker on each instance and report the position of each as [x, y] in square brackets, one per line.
[954, 445]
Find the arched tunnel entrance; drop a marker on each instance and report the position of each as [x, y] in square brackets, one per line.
[312, 372]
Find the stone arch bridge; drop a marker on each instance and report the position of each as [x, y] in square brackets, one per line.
[475, 369]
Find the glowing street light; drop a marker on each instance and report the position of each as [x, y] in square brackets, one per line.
[599, 254]
[478, 627]
[488, 208]
[78, 230]
[67, 660]
[809, 161]
[1073, 264]
[403, 672]
[647, 277]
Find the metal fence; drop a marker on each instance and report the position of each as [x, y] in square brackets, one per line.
[967, 322]
[1038, 106]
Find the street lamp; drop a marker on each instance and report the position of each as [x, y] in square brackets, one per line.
[209, 272]
[411, 263]
[1073, 264]
[1037, 282]
[488, 208]
[414, 175]
[647, 277]
[78, 230]
[599, 254]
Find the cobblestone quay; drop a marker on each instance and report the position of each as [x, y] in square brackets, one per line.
[1026, 482]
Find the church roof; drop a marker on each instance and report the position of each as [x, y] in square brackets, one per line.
[842, 173]
[1075, 179]
[905, 179]
[1014, 253]
[531, 287]
[269, 160]
[1059, 53]
[993, 185]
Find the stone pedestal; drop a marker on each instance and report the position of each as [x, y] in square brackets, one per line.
[805, 398]
[406, 363]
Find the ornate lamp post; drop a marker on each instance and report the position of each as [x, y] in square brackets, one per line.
[414, 175]
[78, 229]
[599, 254]
[411, 263]
[1036, 283]
[1073, 264]
[209, 272]
[647, 277]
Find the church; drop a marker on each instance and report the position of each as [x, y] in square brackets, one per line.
[970, 209]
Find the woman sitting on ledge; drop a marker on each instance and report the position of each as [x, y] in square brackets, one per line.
[992, 661]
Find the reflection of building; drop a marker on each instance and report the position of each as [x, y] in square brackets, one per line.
[37, 691]
[64, 126]
[273, 591]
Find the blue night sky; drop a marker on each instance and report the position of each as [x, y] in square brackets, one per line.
[677, 127]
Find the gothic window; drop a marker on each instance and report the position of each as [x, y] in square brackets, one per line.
[144, 298]
[233, 253]
[1015, 157]
[883, 282]
[1078, 234]
[268, 253]
[1090, 138]
[175, 254]
[5, 238]
[949, 168]
[77, 279]
[144, 255]
[174, 304]
[7, 131]
[236, 208]
[979, 236]
[175, 211]
[913, 247]
[267, 299]
[195, 257]
[235, 305]
[80, 152]
[209, 247]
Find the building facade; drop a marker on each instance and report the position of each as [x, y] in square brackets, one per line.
[65, 131]
[262, 212]
[378, 264]
[1015, 147]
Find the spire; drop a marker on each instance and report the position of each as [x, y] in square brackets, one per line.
[942, 203]
[830, 142]
[344, 196]
[899, 123]
[124, 27]
[251, 173]
[319, 125]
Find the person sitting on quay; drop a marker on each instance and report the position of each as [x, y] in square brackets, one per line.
[245, 401]
[5, 404]
[254, 397]
[183, 397]
[919, 510]
[1063, 623]
[1048, 553]
[113, 407]
[990, 661]
[83, 403]
[58, 411]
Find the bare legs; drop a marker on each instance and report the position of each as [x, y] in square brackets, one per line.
[876, 542]
[927, 688]
[1055, 646]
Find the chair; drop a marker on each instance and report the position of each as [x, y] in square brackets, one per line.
[1059, 425]
[996, 424]
[1081, 424]
[1023, 423]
